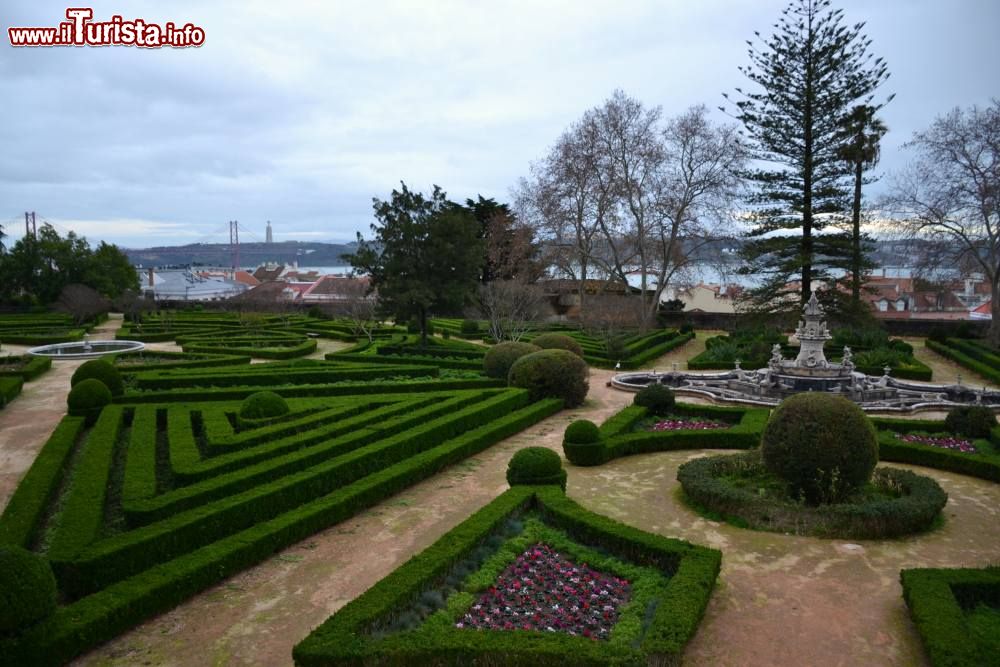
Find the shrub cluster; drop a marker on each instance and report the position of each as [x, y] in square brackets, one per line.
[27, 589]
[469, 327]
[656, 398]
[87, 399]
[552, 374]
[557, 341]
[99, 369]
[536, 465]
[263, 405]
[500, 357]
[822, 445]
[972, 421]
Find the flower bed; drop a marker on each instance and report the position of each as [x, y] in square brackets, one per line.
[942, 441]
[682, 424]
[542, 590]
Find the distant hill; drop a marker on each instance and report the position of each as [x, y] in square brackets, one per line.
[306, 253]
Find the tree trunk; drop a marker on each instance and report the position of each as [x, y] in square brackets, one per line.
[423, 327]
[994, 332]
[856, 239]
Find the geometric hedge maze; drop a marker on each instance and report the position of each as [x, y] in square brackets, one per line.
[161, 498]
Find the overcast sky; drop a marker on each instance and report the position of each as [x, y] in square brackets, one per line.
[301, 112]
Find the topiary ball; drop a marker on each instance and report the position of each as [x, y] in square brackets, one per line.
[555, 341]
[972, 421]
[657, 399]
[87, 399]
[552, 374]
[263, 405]
[99, 369]
[500, 357]
[536, 465]
[583, 432]
[27, 589]
[822, 445]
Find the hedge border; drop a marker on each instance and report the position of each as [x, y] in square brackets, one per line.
[937, 612]
[341, 639]
[78, 627]
[10, 388]
[33, 368]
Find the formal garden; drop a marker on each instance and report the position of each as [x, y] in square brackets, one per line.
[234, 439]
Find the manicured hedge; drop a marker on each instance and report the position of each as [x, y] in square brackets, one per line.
[10, 387]
[28, 367]
[893, 449]
[276, 352]
[96, 618]
[178, 360]
[265, 375]
[343, 639]
[617, 440]
[922, 500]
[971, 355]
[937, 599]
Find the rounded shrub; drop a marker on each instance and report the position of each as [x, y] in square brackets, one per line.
[469, 327]
[582, 431]
[413, 326]
[556, 341]
[822, 445]
[582, 444]
[656, 398]
[263, 405]
[500, 357]
[27, 589]
[87, 399]
[99, 369]
[552, 374]
[972, 421]
[536, 465]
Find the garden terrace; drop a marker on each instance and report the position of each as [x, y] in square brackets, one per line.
[162, 498]
[418, 614]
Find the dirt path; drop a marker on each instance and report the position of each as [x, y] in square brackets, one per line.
[780, 599]
[28, 421]
[945, 370]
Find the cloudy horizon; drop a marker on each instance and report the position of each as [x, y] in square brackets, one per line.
[302, 117]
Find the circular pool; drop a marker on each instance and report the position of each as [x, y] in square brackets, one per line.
[86, 349]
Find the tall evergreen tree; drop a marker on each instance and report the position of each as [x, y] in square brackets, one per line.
[811, 72]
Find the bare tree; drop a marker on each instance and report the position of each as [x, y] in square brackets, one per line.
[949, 196]
[511, 307]
[83, 303]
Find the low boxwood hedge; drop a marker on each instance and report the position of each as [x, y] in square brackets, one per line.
[10, 388]
[938, 600]
[618, 440]
[917, 507]
[970, 355]
[26, 367]
[344, 638]
[891, 448]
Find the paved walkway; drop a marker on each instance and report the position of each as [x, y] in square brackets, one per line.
[780, 600]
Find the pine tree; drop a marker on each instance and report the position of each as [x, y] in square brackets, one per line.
[811, 73]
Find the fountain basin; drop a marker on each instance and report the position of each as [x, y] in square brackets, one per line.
[87, 349]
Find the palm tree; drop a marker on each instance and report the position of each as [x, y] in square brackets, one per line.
[863, 132]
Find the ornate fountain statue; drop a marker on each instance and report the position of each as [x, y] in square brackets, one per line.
[811, 371]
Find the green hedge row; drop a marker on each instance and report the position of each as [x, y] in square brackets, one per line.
[183, 395]
[76, 628]
[219, 477]
[179, 360]
[891, 448]
[970, 355]
[140, 463]
[343, 638]
[26, 367]
[433, 351]
[283, 352]
[656, 351]
[934, 597]
[10, 388]
[267, 374]
[119, 556]
[83, 507]
[30, 501]
[43, 337]
[617, 441]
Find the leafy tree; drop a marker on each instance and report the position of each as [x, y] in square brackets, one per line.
[37, 269]
[426, 256]
[810, 73]
[860, 151]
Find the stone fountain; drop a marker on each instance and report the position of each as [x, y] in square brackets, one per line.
[810, 371]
